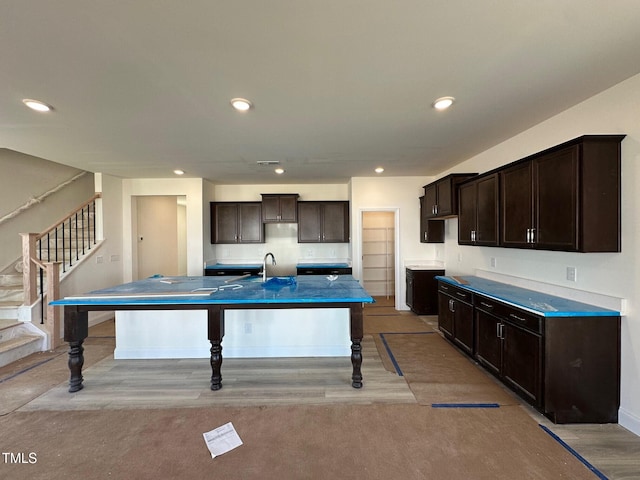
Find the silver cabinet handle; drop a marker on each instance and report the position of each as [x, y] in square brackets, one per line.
[533, 235]
[484, 304]
[452, 306]
[516, 317]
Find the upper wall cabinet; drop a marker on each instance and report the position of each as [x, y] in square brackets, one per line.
[431, 231]
[236, 222]
[441, 196]
[478, 211]
[323, 222]
[565, 198]
[279, 208]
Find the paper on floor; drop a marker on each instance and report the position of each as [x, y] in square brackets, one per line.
[222, 440]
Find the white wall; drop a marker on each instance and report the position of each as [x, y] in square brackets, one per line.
[30, 178]
[397, 194]
[192, 190]
[617, 274]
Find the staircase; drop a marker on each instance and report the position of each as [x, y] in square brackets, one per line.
[65, 243]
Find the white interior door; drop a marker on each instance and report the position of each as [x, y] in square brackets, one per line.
[160, 246]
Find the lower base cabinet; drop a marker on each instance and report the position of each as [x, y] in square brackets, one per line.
[422, 290]
[566, 367]
[455, 316]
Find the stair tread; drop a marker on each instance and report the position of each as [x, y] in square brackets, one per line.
[18, 341]
[8, 323]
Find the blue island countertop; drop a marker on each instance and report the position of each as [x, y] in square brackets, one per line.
[157, 290]
[535, 302]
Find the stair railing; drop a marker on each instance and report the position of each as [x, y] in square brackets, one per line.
[51, 253]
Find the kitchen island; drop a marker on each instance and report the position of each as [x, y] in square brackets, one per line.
[215, 296]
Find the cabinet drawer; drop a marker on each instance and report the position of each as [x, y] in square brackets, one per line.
[217, 272]
[506, 312]
[324, 271]
[456, 292]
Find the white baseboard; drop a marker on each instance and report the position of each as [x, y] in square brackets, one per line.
[629, 421]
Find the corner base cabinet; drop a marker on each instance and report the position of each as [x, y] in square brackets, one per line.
[422, 290]
[564, 362]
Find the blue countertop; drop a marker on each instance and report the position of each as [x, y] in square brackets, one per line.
[158, 290]
[535, 302]
[322, 265]
[231, 266]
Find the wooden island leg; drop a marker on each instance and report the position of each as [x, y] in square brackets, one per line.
[357, 332]
[76, 329]
[216, 332]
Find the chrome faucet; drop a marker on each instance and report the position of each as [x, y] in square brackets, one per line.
[264, 265]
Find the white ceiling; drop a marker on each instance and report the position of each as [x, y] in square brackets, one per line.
[141, 87]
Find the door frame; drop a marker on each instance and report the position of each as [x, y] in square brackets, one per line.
[396, 247]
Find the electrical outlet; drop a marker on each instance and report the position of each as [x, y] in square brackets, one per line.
[99, 259]
[493, 262]
[248, 327]
[572, 274]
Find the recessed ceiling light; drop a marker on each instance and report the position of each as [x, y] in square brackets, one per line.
[279, 170]
[241, 104]
[177, 171]
[379, 170]
[37, 105]
[443, 103]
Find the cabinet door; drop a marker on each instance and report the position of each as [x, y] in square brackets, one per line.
[516, 205]
[463, 325]
[224, 223]
[309, 228]
[444, 203]
[556, 206]
[521, 367]
[486, 231]
[288, 210]
[430, 200]
[250, 226]
[410, 289]
[488, 341]
[445, 314]
[335, 222]
[431, 231]
[467, 213]
[270, 208]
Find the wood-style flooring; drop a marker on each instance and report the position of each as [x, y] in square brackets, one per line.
[612, 450]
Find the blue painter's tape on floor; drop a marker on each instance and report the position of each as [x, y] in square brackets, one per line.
[390, 353]
[465, 405]
[2, 380]
[597, 472]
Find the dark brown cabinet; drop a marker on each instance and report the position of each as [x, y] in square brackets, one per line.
[324, 271]
[478, 211]
[455, 316]
[431, 231]
[279, 208]
[508, 344]
[565, 365]
[422, 291]
[566, 198]
[236, 222]
[323, 222]
[441, 196]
